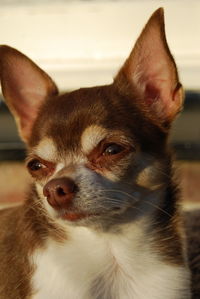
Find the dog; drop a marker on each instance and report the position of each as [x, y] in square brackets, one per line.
[102, 217]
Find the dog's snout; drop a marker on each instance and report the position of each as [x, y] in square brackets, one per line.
[60, 192]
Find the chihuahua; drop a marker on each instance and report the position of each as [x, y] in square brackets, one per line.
[102, 219]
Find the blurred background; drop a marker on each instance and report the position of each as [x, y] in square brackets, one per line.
[83, 43]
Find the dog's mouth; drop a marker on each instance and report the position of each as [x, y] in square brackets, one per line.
[77, 216]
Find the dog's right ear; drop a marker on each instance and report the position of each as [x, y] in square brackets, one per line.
[25, 87]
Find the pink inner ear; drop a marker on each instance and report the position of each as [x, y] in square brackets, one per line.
[25, 91]
[29, 113]
[164, 102]
[152, 94]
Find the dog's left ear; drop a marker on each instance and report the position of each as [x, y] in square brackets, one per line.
[150, 73]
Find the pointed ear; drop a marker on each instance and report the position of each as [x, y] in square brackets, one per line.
[25, 87]
[150, 73]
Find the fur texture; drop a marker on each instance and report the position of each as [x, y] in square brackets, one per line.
[102, 219]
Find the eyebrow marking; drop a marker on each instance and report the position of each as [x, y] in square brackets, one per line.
[46, 150]
[91, 137]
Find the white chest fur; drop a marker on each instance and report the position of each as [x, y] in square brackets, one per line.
[105, 266]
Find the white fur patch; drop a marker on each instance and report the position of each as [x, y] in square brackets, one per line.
[91, 265]
[46, 150]
[91, 137]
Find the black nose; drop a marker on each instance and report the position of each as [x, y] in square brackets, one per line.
[60, 192]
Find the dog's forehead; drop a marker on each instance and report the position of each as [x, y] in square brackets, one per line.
[81, 119]
[72, 116]
[65, 117]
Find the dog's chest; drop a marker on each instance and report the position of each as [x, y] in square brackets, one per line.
[89, 266]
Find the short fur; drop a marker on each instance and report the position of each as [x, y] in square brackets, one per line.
[102, 219]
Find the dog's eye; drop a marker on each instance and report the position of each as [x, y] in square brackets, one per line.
[35, 165]
[113, 149]
[39, 168]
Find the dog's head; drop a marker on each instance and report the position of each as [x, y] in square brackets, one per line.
[98, 155]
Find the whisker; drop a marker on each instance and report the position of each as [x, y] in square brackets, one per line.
[157, 207]
[143, 200]
[119, 191]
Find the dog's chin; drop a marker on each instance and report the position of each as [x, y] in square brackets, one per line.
[105, 220]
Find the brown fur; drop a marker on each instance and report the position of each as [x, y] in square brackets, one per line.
[122, 107]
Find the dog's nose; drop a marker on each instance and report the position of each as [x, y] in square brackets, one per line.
[60, 192]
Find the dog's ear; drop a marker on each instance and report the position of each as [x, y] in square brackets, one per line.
[150, 73]
[25, 87]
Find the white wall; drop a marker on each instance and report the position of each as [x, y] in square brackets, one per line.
[82, 43]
